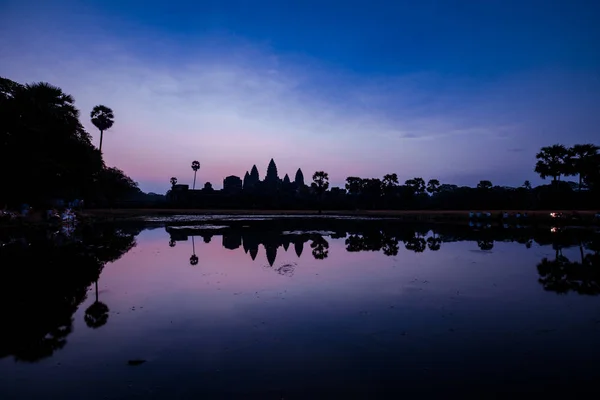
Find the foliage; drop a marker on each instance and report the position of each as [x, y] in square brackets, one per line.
[103, 119]
[44, 143]
[484, 185]
[553, 161]
[44, 279]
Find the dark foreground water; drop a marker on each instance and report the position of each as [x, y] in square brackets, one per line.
[221, 313]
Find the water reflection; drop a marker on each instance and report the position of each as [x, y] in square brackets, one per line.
[559, 275]
[44, 278]
[355, 308]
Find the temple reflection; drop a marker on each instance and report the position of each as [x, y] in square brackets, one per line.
[558, 274]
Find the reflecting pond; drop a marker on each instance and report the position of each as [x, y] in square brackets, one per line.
[215, 311]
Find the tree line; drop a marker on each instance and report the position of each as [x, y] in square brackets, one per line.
[46, 154]
[388, 193]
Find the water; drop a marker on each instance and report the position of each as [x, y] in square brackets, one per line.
[289, 313]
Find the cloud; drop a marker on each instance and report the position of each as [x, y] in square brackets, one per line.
[232, 104]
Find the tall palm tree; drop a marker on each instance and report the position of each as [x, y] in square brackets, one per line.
[103, 119]
[552, 161]
[97, 314]
[194, 257]
[581, 158]
[195, 167]
[173, 181]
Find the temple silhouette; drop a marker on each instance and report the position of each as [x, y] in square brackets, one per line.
[250, 184]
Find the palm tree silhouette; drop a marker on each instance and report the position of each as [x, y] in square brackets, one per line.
[173, 181]
[97, 314]
[195, 167]
[103, 119]
[527, 185]
[194, 257]
[581, 157]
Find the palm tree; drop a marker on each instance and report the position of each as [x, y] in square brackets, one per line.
[50, 100]
[527, 185]
[194, 257]
[173, 181]
[320, 184]
[581, 157]
[552, 161]
[97, 314]
[103, 119]
[433, 186]
[195, 167]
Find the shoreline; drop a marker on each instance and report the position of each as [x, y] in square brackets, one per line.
[93, 216]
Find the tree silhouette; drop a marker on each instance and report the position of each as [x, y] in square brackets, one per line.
[103, 119]
[389, 245]
[484, 185]
[416, 244]
[96, 315]
[40, 122]
[552, 161]
[582, 157]
[320, 248]
[434, 243]
[354, 185]
[389, 183]
[433, 186]
[527, 185]
[173, 181]
[43, 284]
[320, 185]
[485, 245]
[417, 185]
[195, 167]
[194, 257]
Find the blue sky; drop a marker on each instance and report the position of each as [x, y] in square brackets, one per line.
[454, 90]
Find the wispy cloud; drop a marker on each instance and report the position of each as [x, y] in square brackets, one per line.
[238, 104]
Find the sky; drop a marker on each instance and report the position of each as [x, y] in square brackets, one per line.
[455, 90]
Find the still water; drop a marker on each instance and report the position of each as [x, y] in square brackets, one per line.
[216, 312]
